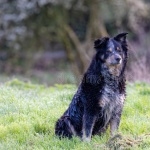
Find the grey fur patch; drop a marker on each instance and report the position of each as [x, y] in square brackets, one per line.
[72, 129]
[110, 101]
[87, 138]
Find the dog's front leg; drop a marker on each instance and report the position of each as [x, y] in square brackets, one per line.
[114, 123]
[88, 123]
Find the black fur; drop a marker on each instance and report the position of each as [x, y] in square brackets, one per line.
[99, 99]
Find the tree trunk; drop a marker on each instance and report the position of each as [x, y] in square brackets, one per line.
[77, 51]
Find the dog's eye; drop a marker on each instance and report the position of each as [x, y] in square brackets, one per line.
[109, 50]
[118, 49]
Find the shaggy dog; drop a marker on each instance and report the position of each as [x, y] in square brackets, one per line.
[99, 99]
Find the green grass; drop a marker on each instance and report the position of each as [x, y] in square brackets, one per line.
[28, 114]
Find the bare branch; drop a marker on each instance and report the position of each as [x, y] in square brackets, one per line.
[77, 45]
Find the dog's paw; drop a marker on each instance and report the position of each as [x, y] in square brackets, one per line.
[86, 139]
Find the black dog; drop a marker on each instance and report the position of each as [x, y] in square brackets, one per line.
[101, 94]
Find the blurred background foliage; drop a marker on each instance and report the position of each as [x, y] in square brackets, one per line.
[51, 41]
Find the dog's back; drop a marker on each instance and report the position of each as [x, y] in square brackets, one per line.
[100, 96]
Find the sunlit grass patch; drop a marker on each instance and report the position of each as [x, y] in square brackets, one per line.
[28, 114]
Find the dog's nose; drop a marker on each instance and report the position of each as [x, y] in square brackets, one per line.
[118, 59]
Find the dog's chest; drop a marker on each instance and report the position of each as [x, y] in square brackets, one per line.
[110, 101]
[110, 97]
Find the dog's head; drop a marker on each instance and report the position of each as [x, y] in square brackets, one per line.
[112, 53]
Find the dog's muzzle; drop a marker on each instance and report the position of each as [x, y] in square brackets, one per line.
[118, 60]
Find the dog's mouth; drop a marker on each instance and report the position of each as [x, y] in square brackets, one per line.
[114, 67]
[116, 63]
[113, 61]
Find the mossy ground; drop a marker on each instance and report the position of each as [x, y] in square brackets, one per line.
[28, 114]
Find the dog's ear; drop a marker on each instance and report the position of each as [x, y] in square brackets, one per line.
[100, 42]
[121, 37]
